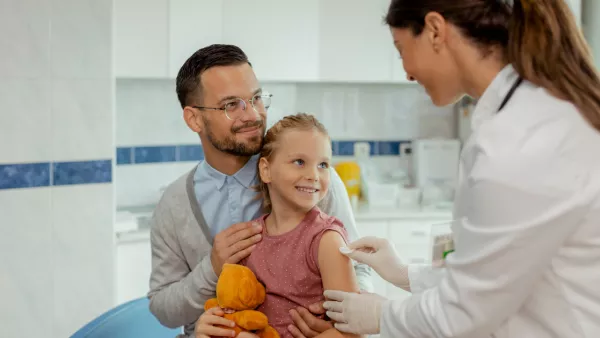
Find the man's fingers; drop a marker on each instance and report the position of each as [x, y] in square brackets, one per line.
[295, 332]
[237, 257]
[244, 231]
[244, 244]
[316, 308]
[314, 323]
[301, 324]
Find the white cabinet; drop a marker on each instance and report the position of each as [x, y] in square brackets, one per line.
[279, 37]
[140, 38]
[134, 264]
[193, 24]
[354, 42]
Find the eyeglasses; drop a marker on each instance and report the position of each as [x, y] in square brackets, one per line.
[234, 108]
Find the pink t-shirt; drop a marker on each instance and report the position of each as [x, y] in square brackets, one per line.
[287, 265]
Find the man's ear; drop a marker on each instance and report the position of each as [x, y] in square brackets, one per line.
[194, 123]
[264, 170]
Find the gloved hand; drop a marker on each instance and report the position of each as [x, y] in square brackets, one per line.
[380, 255]
[353, 312]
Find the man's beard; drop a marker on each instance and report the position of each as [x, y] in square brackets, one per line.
[231, 146]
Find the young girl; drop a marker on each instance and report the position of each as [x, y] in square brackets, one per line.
[299, 254]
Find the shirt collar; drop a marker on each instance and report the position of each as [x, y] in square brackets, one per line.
[245, 176]
[488, 104]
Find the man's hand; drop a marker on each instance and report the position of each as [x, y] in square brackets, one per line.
[234, 244]
[306, 324]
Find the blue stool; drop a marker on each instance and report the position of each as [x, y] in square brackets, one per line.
[129, 320]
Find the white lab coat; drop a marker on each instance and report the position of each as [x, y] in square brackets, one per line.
[527, 228]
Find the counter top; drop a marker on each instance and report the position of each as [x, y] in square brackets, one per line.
[362, 213]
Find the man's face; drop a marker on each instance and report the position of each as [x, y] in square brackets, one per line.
[242, 133]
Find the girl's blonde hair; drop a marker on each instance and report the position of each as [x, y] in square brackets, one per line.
[300, 121]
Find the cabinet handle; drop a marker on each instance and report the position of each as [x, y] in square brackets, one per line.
[419, 233]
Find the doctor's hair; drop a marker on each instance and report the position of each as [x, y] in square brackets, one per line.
[540, 38]
[188, 82]
[299, 121]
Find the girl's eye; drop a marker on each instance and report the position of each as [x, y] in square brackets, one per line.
[299, 162]
[324, 165]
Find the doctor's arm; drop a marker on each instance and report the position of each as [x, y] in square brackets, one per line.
[520, 213]
[177, 293]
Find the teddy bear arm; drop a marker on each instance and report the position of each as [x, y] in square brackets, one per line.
[250, 320]
[267, 332]
[211, 303]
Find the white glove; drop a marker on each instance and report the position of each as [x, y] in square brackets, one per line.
[381, 255]
[353, 312]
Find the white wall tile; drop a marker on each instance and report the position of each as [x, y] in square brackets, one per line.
[25, 120]
[141, 184]
[26, 267]
[148, 113]
[82, 250]
[24, 38]
[86, 104]
[81, 39]
[283, 102]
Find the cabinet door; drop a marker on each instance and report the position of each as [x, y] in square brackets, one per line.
[354, 41]
[134, 264]
[279, 37]
[412, 240]
[141, 38]
[193, 24]
[376, 229]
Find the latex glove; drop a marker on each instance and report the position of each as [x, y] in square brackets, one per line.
[380, 254]
[357, 313]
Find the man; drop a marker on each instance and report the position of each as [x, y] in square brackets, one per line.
[192, 234]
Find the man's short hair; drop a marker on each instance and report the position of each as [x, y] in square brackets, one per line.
[188, 84]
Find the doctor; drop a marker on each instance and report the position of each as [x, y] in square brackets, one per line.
[527, 210]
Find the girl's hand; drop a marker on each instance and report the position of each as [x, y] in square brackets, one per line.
[206, 326]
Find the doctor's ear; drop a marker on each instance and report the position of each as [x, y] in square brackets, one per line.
[193, 121]
[264, 170]
[435, 29]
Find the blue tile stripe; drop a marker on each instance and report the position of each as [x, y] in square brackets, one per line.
[194, 153]
[45, 174]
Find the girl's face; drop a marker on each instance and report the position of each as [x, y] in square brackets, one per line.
[298, 172]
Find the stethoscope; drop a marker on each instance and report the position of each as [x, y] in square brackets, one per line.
[510, 93]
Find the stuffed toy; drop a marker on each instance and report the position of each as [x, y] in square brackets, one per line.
[238, 294]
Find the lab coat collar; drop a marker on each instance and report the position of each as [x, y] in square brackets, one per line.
[487, 106]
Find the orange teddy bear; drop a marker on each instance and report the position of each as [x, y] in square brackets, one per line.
[238, 294]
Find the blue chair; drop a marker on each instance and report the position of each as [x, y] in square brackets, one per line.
[129, 320]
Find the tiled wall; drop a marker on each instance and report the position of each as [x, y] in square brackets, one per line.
[56, 157]
[155, 146]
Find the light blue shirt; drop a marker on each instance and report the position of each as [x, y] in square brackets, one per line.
[233, 201]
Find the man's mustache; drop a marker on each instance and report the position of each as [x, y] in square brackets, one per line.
[258, 123]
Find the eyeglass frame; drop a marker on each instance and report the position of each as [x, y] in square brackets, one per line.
[251, 101]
